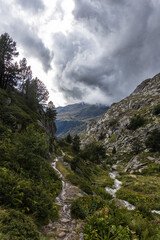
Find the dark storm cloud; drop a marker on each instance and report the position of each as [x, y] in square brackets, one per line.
[33, 46]
[24, 36]
[115, 47]
[31, 5]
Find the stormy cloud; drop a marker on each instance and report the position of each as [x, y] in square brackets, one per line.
[25, 35]
[113, 47]
[92, 51]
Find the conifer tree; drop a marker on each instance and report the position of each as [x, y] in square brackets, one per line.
[8, 69]
[76, 143]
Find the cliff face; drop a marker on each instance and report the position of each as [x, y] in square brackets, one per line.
[111, 129]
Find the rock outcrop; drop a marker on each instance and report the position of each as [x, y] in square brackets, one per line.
[112, 128]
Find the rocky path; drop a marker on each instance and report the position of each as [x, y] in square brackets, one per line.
[65, 228]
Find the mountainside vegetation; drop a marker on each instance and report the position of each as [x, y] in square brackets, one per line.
[28, 183]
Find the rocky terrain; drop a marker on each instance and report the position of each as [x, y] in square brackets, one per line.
[112, 128]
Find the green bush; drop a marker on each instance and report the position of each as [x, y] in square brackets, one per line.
[84, 206]
[156, 110]
[14, 225]
[120, 224]
[81, 182]
[136, 122]
[102, 193]
[153, 141]
[24, 195]
[93, 152]
[99, 227]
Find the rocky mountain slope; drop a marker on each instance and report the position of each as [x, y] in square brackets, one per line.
[113, 128]
[73, 118]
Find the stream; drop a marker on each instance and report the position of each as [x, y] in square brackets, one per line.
[66, 228]
[117, 185]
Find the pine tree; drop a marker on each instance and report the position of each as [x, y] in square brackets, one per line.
[69, 138]
[24, 75]
[50, 111]
[8, 69]
[76, 143]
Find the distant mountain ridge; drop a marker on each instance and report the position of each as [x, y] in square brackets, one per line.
[74, 118]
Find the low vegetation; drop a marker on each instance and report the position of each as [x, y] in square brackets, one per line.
[136, 122]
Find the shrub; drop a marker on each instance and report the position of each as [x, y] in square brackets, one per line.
[99, 227]
[156, 110]
[136, 122]
[79, 181]
[137, 146]
[114, 150]
[102, 192]
[84, 206]
[24, 195]
[153, 141]
[101, 136]
[68, 138]
[15, 225]
[76, 144]
[85, 187]
[94, 152]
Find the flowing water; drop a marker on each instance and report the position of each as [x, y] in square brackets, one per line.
[117, 185]
[66, 227]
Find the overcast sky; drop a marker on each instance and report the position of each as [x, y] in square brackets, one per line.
[96, 51]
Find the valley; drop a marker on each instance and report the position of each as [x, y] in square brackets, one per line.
[100, 181]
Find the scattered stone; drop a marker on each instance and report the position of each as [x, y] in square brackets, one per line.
[133, 176]
[135, 165]
[61, 235]
[50, 225]
[151, 158]
[65, 220]
[114, 167]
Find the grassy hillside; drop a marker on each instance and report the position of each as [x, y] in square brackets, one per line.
[28, 183]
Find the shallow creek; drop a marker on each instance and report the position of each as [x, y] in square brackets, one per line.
[117, 185]
[66, 228]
